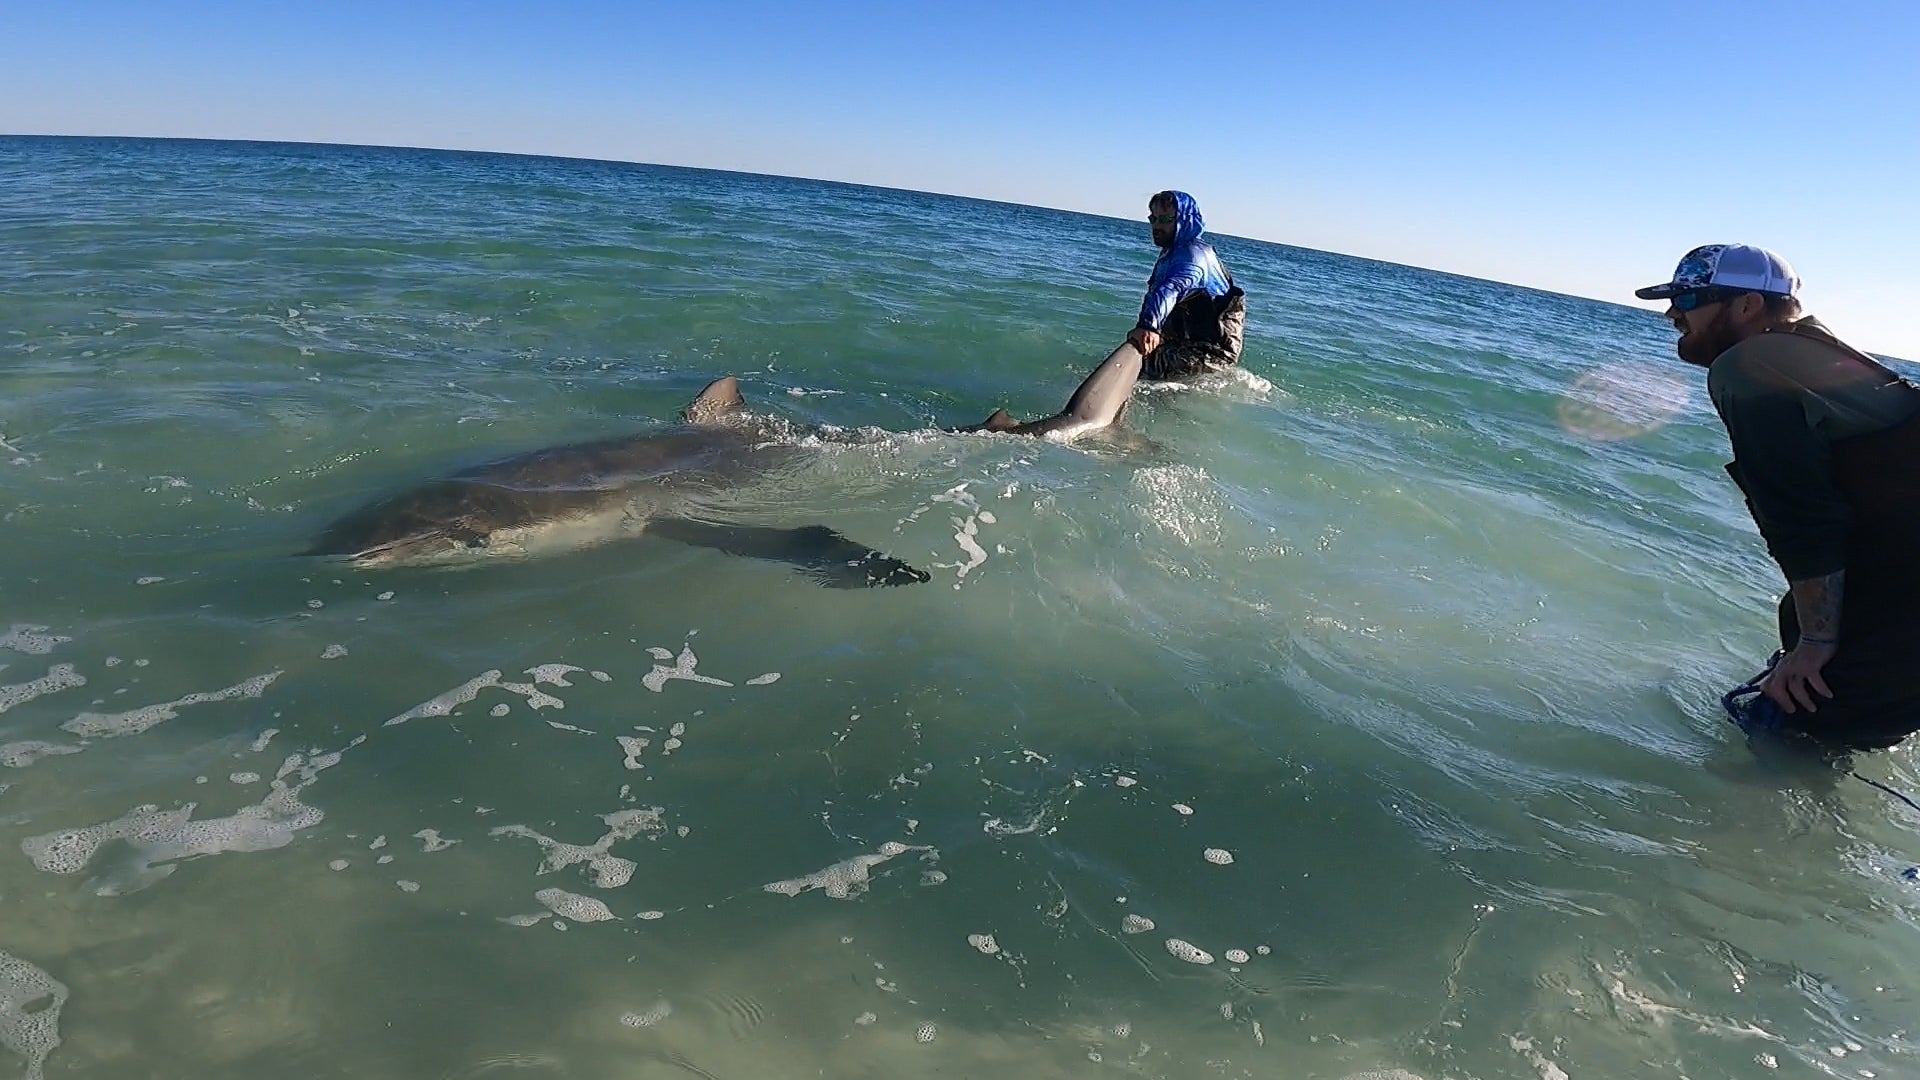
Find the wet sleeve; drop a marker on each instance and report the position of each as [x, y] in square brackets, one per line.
[1171, 281]
[1785, 466]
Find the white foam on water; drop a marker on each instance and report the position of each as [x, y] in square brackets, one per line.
[601, 676]
[151, 579]
[652, 1015]
[926, 1034]
[1124, 781]
[114, 661]
[1547, 1069]
[160, 839]
[1218, 856]
[1191, 953]
[1392, 1074]
[30, 1004]
[58, 677]
[1183, 809]
[607, 871]
[1135, 924]
[1263, 950]
[408, 886]
[316, 604]
[19, 755]
[244, 778]
[1182, 502]
[449, 701]
[574, 907]
[846, 879]
[985, 943]
[378, 843]
[683, 668]
[558, 726]
[998, 827]
[338, 864]
[30, 639]
[966, 531]
[865, 1019]
[265, 737]
[133, 722]
[431, 840]
[764, 680]
[388, 595]
[632, 746]
[524, 920]
[333, 652]
[501, 709]
[1238, 956]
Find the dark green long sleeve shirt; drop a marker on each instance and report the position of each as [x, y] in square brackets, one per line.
[1785, 399]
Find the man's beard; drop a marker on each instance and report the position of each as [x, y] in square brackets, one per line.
[1703, 346]
[1162, 237]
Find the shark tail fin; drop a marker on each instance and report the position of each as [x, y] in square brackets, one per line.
[718, 402]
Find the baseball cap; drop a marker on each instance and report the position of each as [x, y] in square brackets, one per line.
[1727, 266]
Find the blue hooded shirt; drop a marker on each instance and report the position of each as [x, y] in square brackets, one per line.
[1184, 267]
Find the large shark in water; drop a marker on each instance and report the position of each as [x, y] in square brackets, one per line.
[679, 484]
[672, 484]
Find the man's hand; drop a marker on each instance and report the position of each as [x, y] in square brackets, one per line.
[1144, 339]
[1796, 678]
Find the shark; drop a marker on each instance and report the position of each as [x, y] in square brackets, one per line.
[679, 484]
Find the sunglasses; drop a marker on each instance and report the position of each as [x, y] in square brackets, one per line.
[1699, 298]
[1164, 219]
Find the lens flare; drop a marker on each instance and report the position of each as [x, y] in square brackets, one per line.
[1623, 401]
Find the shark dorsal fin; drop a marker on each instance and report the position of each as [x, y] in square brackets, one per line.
[720, 401]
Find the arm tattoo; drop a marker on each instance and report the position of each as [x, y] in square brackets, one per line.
[1817, 603]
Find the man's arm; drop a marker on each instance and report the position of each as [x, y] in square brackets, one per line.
[1796, 678]
[1164, 293]
[1786, 470]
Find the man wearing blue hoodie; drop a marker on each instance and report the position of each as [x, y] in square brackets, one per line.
[1194, 317]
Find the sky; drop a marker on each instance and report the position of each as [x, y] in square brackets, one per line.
[1574, 147]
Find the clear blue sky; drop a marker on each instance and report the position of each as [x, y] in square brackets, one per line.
[1579, 147]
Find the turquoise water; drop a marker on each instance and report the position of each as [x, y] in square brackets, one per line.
[1420, 620]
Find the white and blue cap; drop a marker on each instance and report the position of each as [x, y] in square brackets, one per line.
[1727, 266]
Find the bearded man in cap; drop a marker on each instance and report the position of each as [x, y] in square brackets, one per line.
[1826, 447]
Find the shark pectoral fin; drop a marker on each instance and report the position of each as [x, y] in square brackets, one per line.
[828, 557]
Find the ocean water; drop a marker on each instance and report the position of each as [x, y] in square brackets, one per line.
[1364, 720]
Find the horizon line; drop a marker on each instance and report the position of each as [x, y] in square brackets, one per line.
[814, 180]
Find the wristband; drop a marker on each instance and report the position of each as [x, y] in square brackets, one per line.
[1805, 640]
